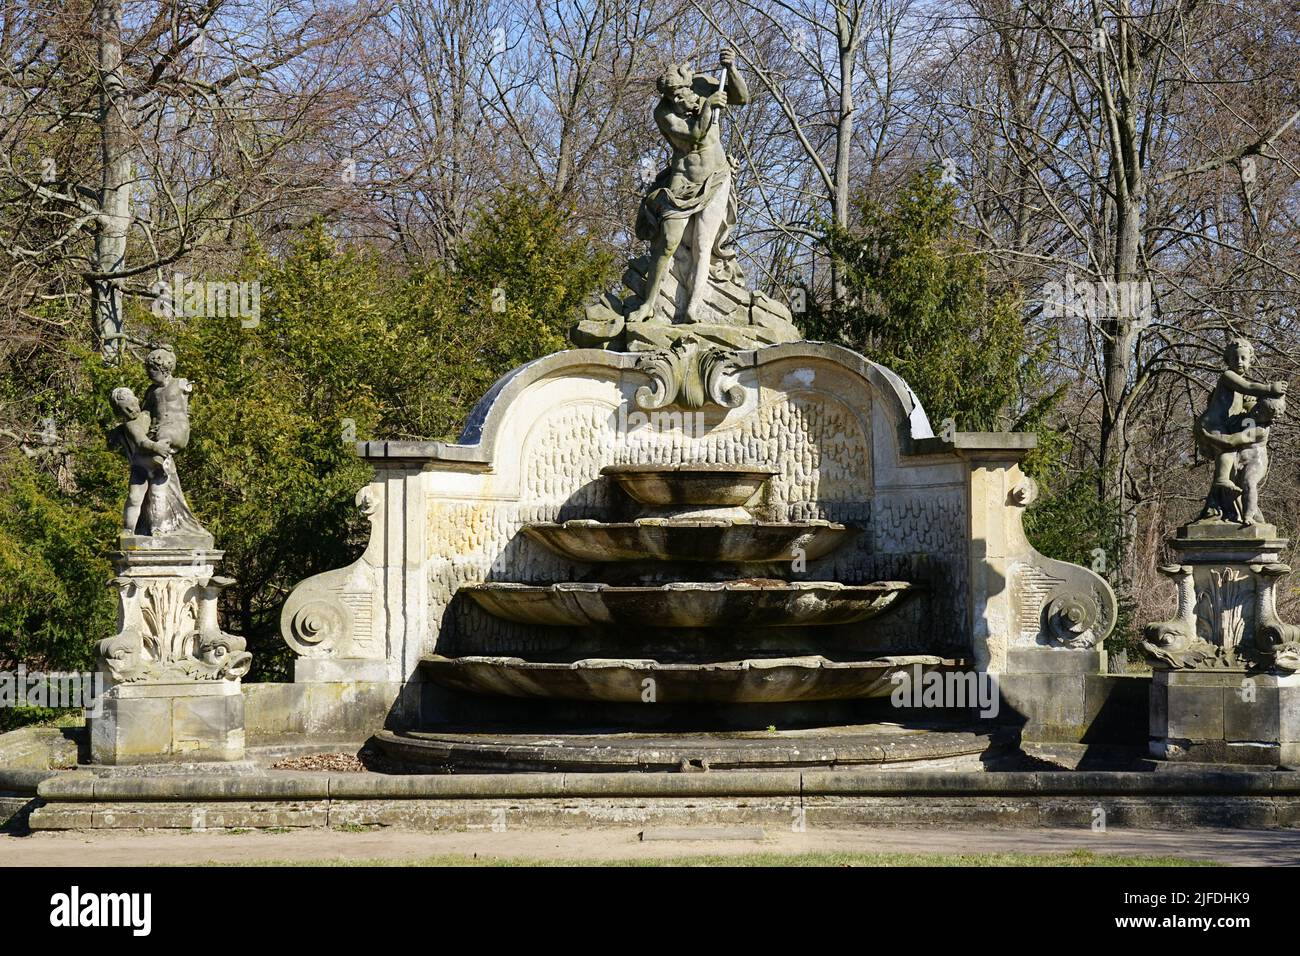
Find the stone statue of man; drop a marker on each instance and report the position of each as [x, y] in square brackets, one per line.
[696, 186]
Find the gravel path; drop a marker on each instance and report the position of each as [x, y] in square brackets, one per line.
[1233, 847]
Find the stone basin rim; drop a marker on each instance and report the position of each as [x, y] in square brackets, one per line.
[640, 468]
[689, 540]
[807, 662]
[622, 680]
[744, 586]
[810, 524]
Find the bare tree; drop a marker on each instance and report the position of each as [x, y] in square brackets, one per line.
[1124, 143]
[189, 119]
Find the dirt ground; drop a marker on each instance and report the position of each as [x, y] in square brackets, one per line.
[1231, 847]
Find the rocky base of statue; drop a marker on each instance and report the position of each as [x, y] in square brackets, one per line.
[732, 316]
[1224, 684]
[173, 675]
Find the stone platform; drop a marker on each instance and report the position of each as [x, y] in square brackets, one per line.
[777, 798]
[884, 746]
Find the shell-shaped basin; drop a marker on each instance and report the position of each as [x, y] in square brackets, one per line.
[667, 540]
[745, 603]
[661, 486]
[777, 680]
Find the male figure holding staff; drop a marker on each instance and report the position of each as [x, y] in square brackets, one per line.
[696, 186]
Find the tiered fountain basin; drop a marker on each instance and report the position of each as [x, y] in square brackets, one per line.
[731, 604]
[754, 681]
[706, 540]
[689, 492]
[754, 638]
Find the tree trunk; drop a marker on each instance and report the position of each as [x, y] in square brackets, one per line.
[846, 31]
[115, 184]
[1120, 330]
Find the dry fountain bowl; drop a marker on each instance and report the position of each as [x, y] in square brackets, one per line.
[755, 681]
[744, 603]
[740, 542]
[663, 486]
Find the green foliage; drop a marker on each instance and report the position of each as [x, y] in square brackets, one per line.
[530, 251]
[519, 281]
[270, 469]
[917, 301]
[54, 575]
[347, 348]
[58, 508]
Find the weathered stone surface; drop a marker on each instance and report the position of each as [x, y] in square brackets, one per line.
[494, 801]
[756, 750]
[274, 709]
[39, 748]
[179, 816]
[1252, 715]
[149, 722]
[1055, 660]
[1047, 701]
[848, 443]
[1224, 715]
[568, 813]
[199, 721]
[131, 729]
[1116, 708]
[330, 670]
[1195, 713]
[350, 707]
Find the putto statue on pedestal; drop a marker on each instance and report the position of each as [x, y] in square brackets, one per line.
[1224, 685]
[173, 674]
[1233, 430]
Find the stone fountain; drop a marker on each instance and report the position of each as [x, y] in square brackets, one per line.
[721, 635]
[693, 540]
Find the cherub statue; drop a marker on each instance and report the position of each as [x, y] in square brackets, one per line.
[149, 434]
[145, 456]
[1233, 423]
[1252, 460]
[168, 399]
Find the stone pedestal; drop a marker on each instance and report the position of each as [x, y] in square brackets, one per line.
[159, 722]
[1053, 689]
[1229, 716]
[1224, 688]
[173, 675]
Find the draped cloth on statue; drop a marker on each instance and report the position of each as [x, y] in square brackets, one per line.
[673, 196]
[166, 512]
